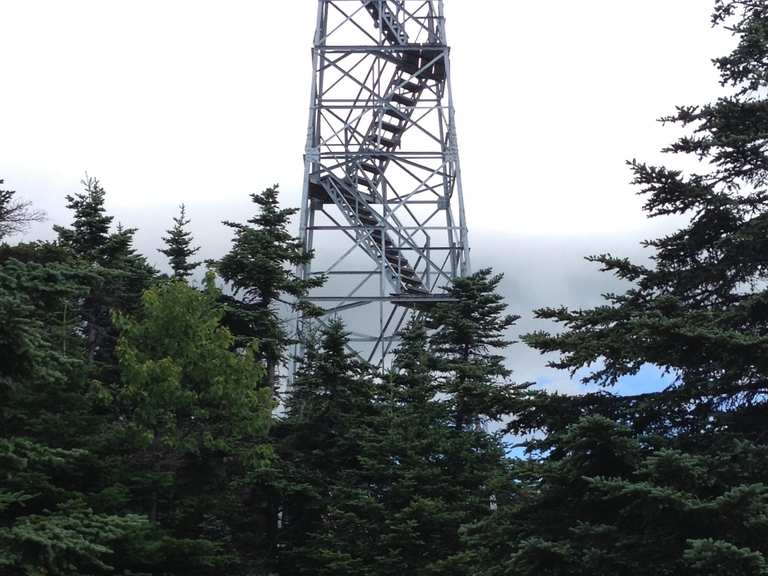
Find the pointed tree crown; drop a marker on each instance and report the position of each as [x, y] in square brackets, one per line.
[178, 246]
[90, 224]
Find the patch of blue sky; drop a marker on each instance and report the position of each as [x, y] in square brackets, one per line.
[650, 378]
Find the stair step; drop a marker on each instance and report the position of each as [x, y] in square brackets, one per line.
[410, 62]
[385, 142]
[402, 265]
[394, 128]
[396, 113]
[368, 167]
[412, 87]
[404, 100]
[409, 280]
[366, 182]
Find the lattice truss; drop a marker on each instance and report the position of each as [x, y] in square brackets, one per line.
[382, 205]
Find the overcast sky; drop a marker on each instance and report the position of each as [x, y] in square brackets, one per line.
[203, 102]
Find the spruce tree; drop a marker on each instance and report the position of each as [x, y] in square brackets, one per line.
[260, 267]
[50, 521]
[178, 246]
[124, 273]
[430, 478]
[606, 501]
[378, 479]
[668, 482]
[332, 403]
[698, 311]
[91, 224]
[469, 334]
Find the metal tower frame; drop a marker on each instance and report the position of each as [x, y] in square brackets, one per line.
[382, 204]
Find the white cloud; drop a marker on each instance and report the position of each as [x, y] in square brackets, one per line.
[204, 102]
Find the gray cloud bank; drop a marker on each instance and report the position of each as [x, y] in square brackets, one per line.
[539, 270]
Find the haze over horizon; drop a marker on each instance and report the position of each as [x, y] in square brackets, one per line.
[183, 102]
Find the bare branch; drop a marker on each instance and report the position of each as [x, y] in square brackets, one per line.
[16, 215]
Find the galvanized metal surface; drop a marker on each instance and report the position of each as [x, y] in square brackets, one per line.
[382, 180]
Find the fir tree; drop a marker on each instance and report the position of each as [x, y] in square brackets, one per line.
[331, 403]
[49, 521]
[90, 225]
[699, 310]
[379, 480]
[429, 477]
[469, 334]
[605, 501]
[260, 267]
[124, 273]
[178, 246]
[669, 482]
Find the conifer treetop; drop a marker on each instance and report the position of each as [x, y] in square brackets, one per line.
[178, 246]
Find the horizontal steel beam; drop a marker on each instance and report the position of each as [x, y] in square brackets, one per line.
[394, 299]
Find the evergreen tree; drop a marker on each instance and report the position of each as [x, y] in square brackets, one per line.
[699, 311]
[469, 333]
[178, 246]
[260, 268]
[605, 501]
[378, 478]
[331, 404]
[669, 482]
[124, 273]
[49, 519]
[91, 224]
[429, 477]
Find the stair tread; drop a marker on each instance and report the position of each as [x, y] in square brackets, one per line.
[404, 100]
[394, 128]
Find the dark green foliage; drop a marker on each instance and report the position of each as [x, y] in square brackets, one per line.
[702, 310]
[41, 370]
[431, 478]
[123, 273]
[260, 267]
[91, 224]
[469, 335]
[607, 502]
[178, 246]
[47, 527]
[330, 407]
[671, 482]
[383, 481]
[47, 420]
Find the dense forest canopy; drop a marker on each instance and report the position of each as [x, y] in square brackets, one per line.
[144, 429]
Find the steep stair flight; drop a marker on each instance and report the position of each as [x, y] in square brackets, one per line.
[355, 193]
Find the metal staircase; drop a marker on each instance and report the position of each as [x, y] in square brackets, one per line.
[384, 18]
[355, 194]
[382, 174]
